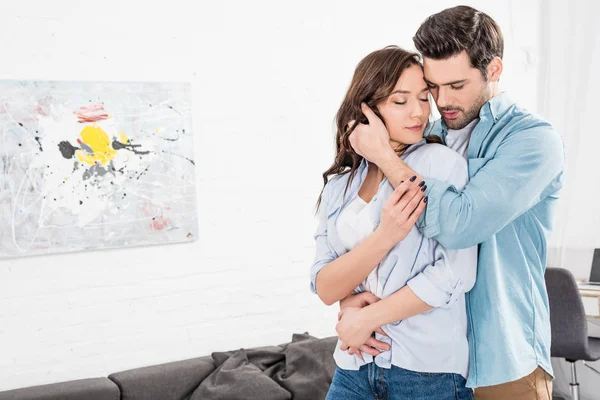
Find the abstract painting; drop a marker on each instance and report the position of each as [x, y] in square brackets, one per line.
[94, 165]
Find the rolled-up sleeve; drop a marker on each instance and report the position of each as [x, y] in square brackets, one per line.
[452, 274]
[323, 255]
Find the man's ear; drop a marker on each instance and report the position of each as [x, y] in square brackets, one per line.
[494, 69]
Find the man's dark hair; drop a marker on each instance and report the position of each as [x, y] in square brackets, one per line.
[459, 28]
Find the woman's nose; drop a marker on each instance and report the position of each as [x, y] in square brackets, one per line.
[418, 109]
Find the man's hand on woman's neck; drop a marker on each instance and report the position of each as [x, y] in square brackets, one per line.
[369, 142]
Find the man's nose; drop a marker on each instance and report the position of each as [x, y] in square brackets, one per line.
[442, 98]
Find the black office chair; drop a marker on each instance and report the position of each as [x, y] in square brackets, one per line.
[569, 326]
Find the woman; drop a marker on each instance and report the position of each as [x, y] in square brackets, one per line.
[420, 320]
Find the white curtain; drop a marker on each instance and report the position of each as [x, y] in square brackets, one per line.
[569, 87]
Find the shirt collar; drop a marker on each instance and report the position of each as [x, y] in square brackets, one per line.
[360, 175]
[497, 106]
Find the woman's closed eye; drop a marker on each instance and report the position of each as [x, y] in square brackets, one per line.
[401, 103]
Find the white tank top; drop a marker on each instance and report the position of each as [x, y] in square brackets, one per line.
[354, 225]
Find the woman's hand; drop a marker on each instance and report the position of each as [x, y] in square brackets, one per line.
[354, 331]
[361, 300]
[401, 211]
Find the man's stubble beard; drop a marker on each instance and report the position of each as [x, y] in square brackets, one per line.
[471, 114]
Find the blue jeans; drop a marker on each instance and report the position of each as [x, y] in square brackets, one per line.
[371, 382]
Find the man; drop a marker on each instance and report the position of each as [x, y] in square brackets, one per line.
[516, 165]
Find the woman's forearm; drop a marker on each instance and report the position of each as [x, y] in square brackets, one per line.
[339, 278]
[398, 306]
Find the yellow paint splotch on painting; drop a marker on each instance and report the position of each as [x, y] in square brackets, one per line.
[124, 138]
[98, 140]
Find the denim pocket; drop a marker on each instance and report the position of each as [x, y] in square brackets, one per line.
[430, 374]
[408, 384]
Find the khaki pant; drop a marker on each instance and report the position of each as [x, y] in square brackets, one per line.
[535, 386]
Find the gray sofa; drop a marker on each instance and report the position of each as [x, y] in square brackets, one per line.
[301, 369]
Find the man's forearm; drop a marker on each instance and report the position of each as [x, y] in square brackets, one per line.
[395, 169]
[396, 307]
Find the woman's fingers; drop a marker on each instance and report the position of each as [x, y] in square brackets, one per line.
[405, 201]
[400, 190]
[413, 204]
[417, 212]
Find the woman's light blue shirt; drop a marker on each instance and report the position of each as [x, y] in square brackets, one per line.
[435, 341]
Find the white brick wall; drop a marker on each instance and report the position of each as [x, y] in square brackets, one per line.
[267, 78]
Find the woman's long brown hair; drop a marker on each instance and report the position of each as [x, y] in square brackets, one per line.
[374, 80]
